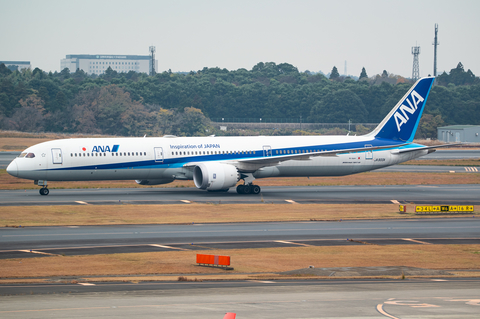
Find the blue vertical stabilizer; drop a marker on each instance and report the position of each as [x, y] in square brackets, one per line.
[402, 121]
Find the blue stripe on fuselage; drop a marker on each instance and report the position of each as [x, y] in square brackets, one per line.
[180, 161]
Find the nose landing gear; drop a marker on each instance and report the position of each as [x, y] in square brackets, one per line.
[44, 190]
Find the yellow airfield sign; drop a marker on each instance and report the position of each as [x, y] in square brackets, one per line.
[444, 208]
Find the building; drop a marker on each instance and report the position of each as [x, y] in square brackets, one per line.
[459, 133]
[98, 64]
[17, 65]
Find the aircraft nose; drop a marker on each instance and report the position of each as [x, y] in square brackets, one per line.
[12, 168]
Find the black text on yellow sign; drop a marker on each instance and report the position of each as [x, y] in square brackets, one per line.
[442, 209]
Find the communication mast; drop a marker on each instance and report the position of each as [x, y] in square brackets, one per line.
[152, 62]
[435, 43]
[416, 65]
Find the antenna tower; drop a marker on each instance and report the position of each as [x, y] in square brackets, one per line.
[345, 70]
[435, 43]
[152, 62]
[416, 65]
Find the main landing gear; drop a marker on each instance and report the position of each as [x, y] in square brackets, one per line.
[44, 191]
[248, 189]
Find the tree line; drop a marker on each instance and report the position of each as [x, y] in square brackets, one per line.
[134, 104]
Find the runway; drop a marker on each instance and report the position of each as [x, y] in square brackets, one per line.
[83, 240]
[394, 299]
[419, 194]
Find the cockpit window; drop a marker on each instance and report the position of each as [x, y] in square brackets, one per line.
[22, 155]
[30, 155]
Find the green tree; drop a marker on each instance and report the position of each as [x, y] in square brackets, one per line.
[363, 75]
[192, 122]
[428, 126]
[334, 74]
[29, 117]
[339, 107]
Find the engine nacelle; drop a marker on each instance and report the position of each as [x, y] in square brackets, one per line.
[154, 181]
[215, 176]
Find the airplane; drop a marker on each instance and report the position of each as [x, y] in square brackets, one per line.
[219, 163]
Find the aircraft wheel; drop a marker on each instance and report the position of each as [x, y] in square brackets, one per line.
[256, 189]
[44, 191]
[247, 189]
[240, 189]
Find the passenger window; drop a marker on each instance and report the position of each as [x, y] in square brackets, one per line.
[71, 154]
[145, 153]
[128, 153]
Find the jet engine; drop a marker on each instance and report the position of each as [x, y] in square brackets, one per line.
[154, 181]
[215, 176]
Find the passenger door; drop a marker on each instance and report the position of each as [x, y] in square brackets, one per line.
[158, 151]
[57, 156]
[267, 150]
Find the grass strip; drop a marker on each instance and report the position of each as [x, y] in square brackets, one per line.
[265, 260]
[13, 216]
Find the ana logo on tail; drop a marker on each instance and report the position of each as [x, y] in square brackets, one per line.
[403, 118]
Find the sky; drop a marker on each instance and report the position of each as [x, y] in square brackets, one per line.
[189, 35]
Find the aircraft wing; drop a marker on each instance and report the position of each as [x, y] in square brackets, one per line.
[252, 164]
[277, 159]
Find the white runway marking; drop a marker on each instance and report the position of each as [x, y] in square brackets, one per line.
[292, 243]
[416, 241]
[169, 247]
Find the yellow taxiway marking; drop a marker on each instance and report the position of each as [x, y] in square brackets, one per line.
[86, 284]
[394, 201]
[291, 201]
[169, 247]
[416, 241]
[186, 201]
[80, 202]
[383, 312]
[292, 243]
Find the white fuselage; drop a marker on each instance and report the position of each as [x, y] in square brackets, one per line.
[167, 157]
